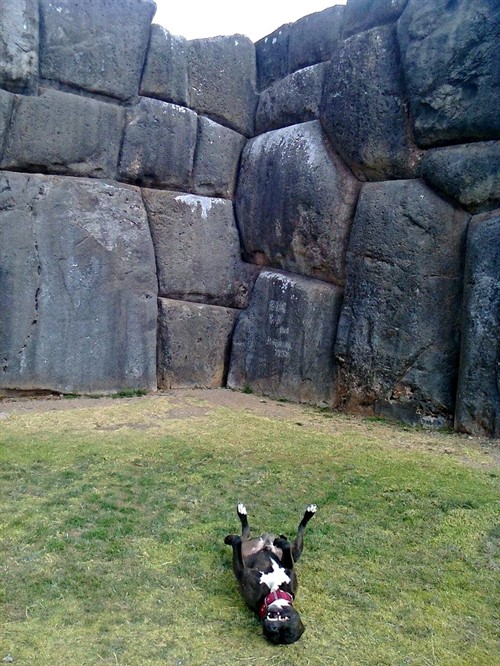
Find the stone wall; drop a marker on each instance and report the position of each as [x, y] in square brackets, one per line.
[314, 217]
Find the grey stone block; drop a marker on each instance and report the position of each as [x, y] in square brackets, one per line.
[469, 173]
[398, 337]
[193, 344]
[6, 105]
[222, 76]
[364, 107]
[165, 74]
[315, 37]
[218, 153]
[452, 67]
[159, 144]
[62, 133]
[362, 15]
[19, 22]
[294, 99]
[197, 249]
[272, 57]
[478, 395]
[295, 202]
[78, 288]
[283, 342]
[97, 45]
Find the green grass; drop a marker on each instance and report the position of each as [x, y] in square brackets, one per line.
[113, 519]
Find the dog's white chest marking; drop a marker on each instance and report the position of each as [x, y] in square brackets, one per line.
[274, 578]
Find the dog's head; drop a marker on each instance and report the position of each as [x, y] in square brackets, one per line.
[282, 624]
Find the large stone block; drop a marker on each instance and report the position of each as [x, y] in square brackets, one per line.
[478, 396]
[97, 45]
[62, 133]
[362, 15]
[217, 159]
[6, 105]
[193, 344]
[292, 100]
[272, 57]
[78, 306]
[452, 67]
[469, 173]
[315, 37]
[364, 107]
[166, 73]
[295, 202]
[222, 79]
[399, 332]
[197, 249]
[159, 144]
[283, 342]
[19, 22]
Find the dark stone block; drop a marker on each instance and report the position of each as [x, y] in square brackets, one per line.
[165, 74]
[478, 396]
[197, 249]
[159, 144]
[452, 66]
[469, 173]
[272, 57]
[315, 37]
[364, 109]
[217, 160]
[294, 99]
[283, 342]
[399, 332]
[193, 344]
[19, 22]
[295, 202]
[78, 286]
[222, 77]
[63, 133]
[365, 14]
[99, 46]
[6, 105]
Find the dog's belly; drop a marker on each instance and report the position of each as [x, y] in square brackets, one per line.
[264, 542]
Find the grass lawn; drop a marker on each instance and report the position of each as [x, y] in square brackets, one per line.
[113, 516]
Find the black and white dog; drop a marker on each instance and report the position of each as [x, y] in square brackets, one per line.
[264, 569]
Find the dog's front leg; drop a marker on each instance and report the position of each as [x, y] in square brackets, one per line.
[238, 565]
[298, 544]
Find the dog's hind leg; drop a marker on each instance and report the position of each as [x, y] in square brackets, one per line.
[242, 515]
[298, 544]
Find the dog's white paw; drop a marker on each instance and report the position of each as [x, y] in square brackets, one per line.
[312, 508]
[242, 509]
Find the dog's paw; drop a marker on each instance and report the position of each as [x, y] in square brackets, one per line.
[312, 508]
[281, 542]
[232, 539]
[242, 510]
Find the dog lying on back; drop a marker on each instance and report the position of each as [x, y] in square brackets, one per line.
[265, 570]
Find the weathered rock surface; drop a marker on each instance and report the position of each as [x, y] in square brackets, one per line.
[19, 21]
[197, 249]
[364, 109]
[469, 173]
[272, 57]
[159, 144]
[294, 99]
[362, 15]
[193, 344]
[62, 133]
[283, 342]
[398, 336]
[99, 46]
[78, 287]
[452, 68]
[165, 74]
[478, 396]
[315, 37]
[295, 202]
[217, 159]
[222, 79]
[6, 104]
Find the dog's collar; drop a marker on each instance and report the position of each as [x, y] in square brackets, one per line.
[271, 598]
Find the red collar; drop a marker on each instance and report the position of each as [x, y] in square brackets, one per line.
[273, 596]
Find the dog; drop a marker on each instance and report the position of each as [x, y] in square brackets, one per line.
[265, 570]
